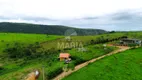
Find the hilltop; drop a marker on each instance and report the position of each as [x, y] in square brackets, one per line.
[44, 29]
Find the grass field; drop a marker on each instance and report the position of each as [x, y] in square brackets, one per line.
[92, 51]
[9, 38]
[14, 70]
[123, 66]
[10, 65]
[86, 39]
[17, 69]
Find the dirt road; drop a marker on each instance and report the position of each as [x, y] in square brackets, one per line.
[64, 74]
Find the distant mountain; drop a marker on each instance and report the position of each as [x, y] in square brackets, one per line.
[45, 29]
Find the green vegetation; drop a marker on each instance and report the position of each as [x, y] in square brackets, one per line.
[45, 29]
[24, 53]
[123, 66]
[23, 63]
[86, 40]
[20, 59]
[21, 54]
[7, 39]
[90, 52]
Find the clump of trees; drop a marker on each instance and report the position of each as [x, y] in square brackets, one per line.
[54, 73]
[101, 39]
[19, 50]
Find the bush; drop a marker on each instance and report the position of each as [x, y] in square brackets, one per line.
[71, 65]
[98, 46]
[1, 68]
[104, 40]
[54, 73]
[20, 51]
[109, 49]
[92, 42]
[77, 60]
[132, 45]
[2, 40]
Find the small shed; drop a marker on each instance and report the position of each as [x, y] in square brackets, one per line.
[64, 56]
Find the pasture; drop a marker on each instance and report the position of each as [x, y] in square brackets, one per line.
[47, 55]
[10, 38]
[86, 39]
[122, 66]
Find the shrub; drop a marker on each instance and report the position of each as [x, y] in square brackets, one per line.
[71, 65]
[2, 40]
[132, 45]
[92, 42]
[77, 60]
[98, 46]
[109, 49]
[1, 68]
[54, 73]
[20, 51]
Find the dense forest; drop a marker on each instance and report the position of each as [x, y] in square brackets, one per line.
[44, 29]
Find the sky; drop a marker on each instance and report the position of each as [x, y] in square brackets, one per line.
[118, 15]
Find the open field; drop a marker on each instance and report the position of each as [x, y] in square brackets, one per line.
[47, 55]
[20, 69]
[91, 52]
[10, 38]
[123, 66]
[86, 39]
[16, 69]
[78, 67]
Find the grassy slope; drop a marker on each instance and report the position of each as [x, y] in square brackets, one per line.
[16, 71]
[10, 65]
[84, 39]
[92, 52]
[87, 39]
[9, 38]
[123, 66]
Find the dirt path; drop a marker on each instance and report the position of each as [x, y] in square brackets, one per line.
[64, 74]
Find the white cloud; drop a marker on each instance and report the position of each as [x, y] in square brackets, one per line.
[74, 12]
[63, 9]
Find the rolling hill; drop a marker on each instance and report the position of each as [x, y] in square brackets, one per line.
[44, 29]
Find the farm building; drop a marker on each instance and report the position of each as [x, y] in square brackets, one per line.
[127, 41]
[64, 56]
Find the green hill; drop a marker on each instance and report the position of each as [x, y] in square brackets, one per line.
[44, 29]
[123, 66]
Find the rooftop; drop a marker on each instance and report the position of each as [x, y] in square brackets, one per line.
[64, 55]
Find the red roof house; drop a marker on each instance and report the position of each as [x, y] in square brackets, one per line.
[64, 56]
